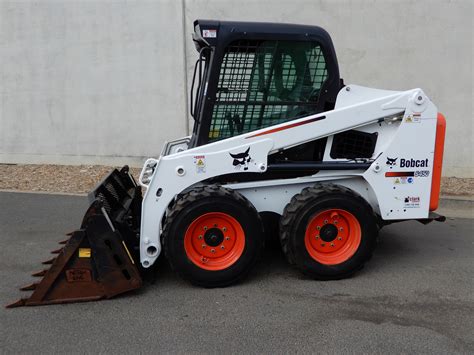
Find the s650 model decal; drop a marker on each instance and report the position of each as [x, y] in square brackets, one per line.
[422, 173]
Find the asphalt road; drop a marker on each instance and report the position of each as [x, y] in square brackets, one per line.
[415, 296]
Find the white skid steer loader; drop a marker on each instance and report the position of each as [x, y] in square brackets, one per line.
[276, 133]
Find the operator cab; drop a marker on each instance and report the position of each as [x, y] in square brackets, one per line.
[253, 75]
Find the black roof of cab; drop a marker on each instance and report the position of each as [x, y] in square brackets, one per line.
[209, 32]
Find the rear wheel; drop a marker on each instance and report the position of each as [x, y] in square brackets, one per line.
[212, 236]
[328, 231]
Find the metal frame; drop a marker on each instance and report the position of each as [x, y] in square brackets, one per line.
[392, 114]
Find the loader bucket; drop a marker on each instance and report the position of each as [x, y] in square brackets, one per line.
[98, 260]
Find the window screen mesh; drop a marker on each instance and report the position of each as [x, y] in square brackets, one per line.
[265, 83]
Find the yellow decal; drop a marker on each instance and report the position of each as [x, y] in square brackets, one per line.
[84, 252]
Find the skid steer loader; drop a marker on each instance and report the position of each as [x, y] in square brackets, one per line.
[276, 133]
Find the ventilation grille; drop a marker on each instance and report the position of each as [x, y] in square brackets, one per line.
[353, 144]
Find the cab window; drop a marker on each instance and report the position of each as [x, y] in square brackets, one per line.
[264, 83]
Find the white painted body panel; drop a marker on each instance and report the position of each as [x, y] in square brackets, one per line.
[356, 107]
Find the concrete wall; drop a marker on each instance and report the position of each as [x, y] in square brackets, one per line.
[90, 82]
[104, 81]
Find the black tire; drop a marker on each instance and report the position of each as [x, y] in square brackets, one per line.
[309, 203]
[196, 203]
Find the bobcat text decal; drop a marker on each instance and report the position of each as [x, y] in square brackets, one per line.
[413, 163]
[408, 163]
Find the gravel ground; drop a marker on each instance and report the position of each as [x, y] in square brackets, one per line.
[80, 179]
[77, 179]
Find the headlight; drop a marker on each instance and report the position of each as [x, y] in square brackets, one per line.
[148, 171]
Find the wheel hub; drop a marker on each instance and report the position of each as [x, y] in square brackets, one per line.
[332, 236]
[214, 241]
[213, 237]
[328, 232]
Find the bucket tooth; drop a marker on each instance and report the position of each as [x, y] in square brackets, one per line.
[40, 273]
[70, 233]
[57, 251]
[63, 241]
[30, 287]
[47, 262]
[20, 303]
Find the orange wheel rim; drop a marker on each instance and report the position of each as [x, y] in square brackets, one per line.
[214, 241]
[332, 236]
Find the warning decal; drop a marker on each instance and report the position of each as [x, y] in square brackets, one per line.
[200, 162]
[209, 33]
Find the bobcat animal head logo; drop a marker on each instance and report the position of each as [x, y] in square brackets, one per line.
[391, 161]
[242, 159]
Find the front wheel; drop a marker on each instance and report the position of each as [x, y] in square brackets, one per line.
[213, 236]
[328, 231]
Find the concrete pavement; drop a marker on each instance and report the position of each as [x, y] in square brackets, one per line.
[414, 296]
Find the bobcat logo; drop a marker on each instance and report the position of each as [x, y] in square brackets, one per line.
[241, 159]
[391, 161]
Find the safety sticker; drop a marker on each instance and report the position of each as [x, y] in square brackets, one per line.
[404, 180]
[84, 252]
[209, 33]
[200, 162]
[414, 118]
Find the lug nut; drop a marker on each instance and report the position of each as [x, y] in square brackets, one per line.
[317, 237]
[203, 246]
[222, 247]
[213, 250]
[200, 237]
[335, 222]
[325, 221]
[323, 244]
[224, 229]
[205, 228]
[318, 228]
[215, 224]
[341, 229]
[227, 238]
[332, 244]
[339, 238]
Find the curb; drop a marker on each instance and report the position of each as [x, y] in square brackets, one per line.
[44, 193]
[456, 206]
